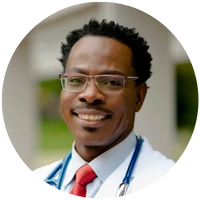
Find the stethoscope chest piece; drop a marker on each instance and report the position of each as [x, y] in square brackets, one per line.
[122, 189]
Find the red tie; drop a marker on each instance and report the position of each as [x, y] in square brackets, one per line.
[84, 175]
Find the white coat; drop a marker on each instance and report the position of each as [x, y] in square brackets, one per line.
[150, 166]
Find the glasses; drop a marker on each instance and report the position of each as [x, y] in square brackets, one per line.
[106, 83]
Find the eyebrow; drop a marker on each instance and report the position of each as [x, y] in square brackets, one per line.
[83, 71]
[76, 70]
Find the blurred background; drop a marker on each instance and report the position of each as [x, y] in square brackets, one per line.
[31, 86]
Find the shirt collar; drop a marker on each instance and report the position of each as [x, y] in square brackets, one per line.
[110, 159]
[106, 163]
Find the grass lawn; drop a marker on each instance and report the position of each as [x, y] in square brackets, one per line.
[54, 135]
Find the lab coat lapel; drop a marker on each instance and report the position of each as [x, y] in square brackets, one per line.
[141, 171]
[111, 185]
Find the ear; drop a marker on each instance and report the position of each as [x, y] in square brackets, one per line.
[141, 91]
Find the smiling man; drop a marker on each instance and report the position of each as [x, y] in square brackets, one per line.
[104, 84]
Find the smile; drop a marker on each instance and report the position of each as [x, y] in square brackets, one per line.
[91, 117]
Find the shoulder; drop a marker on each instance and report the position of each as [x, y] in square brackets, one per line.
[157, 163]
[155, 158]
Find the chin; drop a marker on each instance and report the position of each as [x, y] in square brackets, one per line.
[90, 129]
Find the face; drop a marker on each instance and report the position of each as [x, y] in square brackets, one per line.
[97, 119]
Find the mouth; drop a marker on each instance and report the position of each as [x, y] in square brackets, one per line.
[91, 118]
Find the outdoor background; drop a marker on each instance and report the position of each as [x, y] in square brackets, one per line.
[188, 97]
[54, 137]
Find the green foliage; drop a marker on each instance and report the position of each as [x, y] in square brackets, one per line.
[54, 135]
[187, 96]
[52, 86]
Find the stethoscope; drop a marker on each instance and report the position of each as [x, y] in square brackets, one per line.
[62, 166]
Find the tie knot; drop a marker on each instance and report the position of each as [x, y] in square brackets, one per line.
[85, 175]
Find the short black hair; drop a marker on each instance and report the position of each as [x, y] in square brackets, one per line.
[141, 57]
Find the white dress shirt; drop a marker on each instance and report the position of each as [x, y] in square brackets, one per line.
[103, 165]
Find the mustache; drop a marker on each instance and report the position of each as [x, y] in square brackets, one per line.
[92, 106]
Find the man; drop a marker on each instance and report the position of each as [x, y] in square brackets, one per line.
[104, 84]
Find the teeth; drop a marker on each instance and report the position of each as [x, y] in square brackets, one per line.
[91, 117]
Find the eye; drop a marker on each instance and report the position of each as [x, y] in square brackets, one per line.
[112, 82]
[76, 80]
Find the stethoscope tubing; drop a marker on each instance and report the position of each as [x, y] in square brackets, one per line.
[131, 166]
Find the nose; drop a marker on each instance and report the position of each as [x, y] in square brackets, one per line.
[91, 94]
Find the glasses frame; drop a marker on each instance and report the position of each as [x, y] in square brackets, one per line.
[126, 79]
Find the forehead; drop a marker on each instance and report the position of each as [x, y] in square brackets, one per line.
[96, 54]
